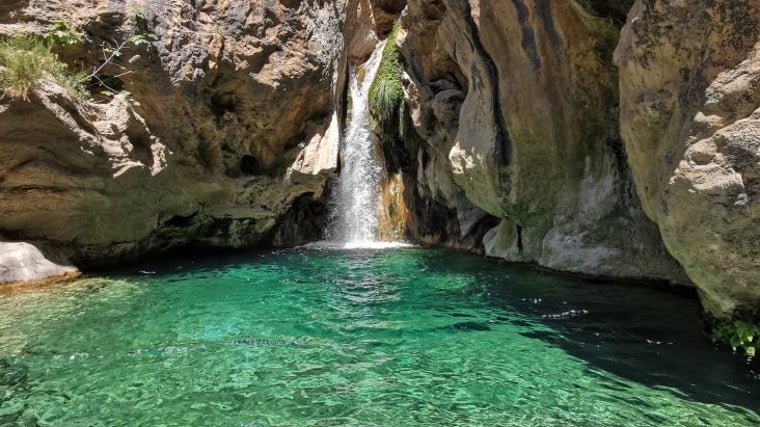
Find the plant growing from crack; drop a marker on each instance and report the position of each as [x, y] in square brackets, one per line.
[740, 335]
[388, 106]
[386, 95]
[26, 60]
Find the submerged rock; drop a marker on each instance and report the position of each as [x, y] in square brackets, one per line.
[470, 326]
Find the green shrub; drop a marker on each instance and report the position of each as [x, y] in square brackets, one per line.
[740, 335]
[26, 61]
[62, 34]
[386, 95]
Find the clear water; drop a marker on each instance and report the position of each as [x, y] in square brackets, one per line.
[355, 214]
[407, 337]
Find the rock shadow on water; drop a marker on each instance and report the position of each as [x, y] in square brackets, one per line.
[634, 331]
[468, 327]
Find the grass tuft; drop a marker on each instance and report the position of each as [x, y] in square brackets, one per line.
[26, 61]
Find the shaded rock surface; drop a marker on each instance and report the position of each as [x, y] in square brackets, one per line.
[517, 104]
[690, 117]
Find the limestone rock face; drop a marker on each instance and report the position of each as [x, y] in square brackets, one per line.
[517, 104]
[229, 118]
[530, 140]
[690, 118]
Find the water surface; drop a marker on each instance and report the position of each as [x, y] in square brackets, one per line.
[318, 337]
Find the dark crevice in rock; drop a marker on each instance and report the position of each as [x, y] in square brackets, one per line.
[545, 12]
[10, 10]
[222, 103]
[304, 222]
[503, 146]
[141, 146]
[528, 41]
[519, 239]
[250, 166]
[180, 221]
[106, 83]
[616, 10]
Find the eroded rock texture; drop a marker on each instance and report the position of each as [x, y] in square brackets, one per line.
[690, 92]
[230, 95]
[517, 102]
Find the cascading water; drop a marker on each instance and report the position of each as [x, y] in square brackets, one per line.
[355, 212]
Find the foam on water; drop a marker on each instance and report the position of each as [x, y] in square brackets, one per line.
[327, 244]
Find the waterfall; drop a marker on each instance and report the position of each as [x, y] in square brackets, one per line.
[355, 211]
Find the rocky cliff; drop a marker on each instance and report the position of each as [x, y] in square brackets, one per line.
[613, 138]
[518, 106]
[690, 98]
[192, 146]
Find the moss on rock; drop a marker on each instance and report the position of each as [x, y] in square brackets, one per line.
[386, 95]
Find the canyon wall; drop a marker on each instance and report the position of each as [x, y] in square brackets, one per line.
[517, 103]
[690, 92]
[610, 138]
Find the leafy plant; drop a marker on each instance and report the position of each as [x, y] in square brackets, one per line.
[139, 19]
[27, 61]
[139, 35]
[142, 39]
[62, 34]
[129, 99]
[740, 335]
[137, 12]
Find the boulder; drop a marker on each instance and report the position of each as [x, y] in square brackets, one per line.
[22, 262]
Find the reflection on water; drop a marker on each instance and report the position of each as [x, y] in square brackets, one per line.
[325, 337]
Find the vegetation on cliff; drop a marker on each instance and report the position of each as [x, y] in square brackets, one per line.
[27, 61]
[742, 336]
[388, 108]
[386, 95]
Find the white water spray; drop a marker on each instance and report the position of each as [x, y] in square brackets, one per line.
[355, 213]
